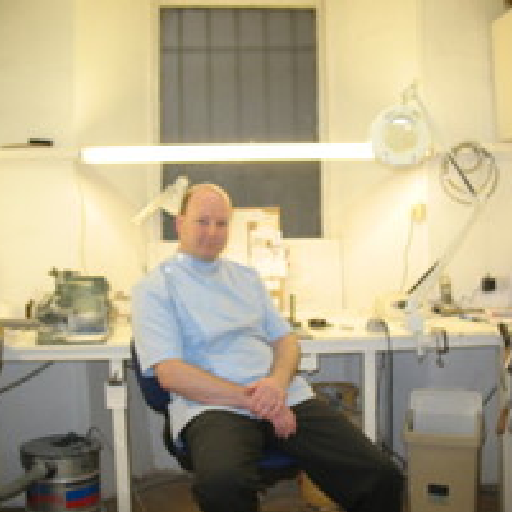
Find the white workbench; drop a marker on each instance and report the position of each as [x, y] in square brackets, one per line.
[116, 351]
[349, 336]
[346, 337]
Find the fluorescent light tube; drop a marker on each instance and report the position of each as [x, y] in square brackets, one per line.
[207, 153]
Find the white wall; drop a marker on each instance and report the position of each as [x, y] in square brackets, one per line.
[53, 213]
[445, 46]
[84, 72]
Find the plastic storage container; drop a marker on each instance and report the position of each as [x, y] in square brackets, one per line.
[443, 434]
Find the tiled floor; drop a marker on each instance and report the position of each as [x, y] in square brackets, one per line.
[158, 494]
[169, 492]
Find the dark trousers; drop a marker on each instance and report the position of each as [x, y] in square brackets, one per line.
[336, 455]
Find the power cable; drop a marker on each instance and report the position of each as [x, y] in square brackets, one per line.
[386, 445]
[407, 250]
[25, 378]
[468, 159]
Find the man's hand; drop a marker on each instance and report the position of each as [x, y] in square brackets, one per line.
[266, 397]
[285, 423]
[267, 401]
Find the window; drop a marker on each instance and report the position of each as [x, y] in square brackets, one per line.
[240, 75]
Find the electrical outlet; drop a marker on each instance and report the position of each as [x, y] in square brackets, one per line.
[419, 212]
[488, 284]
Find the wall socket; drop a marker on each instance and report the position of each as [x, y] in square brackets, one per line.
[419, 212]
[490, 284]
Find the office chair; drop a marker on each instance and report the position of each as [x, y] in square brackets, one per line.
[274, 465]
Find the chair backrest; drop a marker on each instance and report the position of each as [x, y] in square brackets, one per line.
[154, 395]
[159, 399]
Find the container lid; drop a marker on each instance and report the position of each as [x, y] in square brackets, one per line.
[60, 446]
[445, 410]
[446, 401]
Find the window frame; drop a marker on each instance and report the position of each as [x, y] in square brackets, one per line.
[154, 230]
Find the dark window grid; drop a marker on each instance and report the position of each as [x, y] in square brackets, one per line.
[263, 48]
[295, 21]
[238, 50]
[294, 134]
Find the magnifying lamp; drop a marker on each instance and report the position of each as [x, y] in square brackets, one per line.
[400, 136]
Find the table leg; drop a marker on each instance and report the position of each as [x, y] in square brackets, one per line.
[505, 441]
[116, 399]
[370, 394]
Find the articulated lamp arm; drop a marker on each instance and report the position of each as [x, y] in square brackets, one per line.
[418, 292]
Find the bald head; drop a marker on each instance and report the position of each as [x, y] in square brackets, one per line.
[204, 187]
[203, 222]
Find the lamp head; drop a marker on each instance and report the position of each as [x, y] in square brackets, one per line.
[168, 200]
[400, 136]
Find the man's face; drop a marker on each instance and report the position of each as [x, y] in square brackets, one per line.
[203, 228]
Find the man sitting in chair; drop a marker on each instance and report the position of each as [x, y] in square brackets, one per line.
[210, 333]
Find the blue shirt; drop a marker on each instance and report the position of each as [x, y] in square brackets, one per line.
[216, 315]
